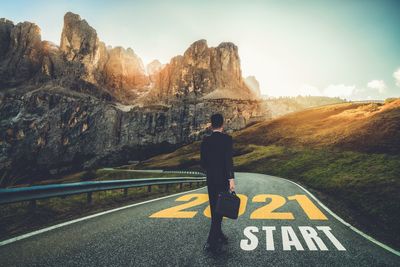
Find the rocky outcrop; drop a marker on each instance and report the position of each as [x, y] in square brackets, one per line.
[5, 36]
[253, 84]
[21, 52]
[118, 70]
[79, 43]
[202, 72]
[125, 75]
[153, 68]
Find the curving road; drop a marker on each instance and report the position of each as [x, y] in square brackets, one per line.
[281, 225]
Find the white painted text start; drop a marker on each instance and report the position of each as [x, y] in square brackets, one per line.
[313, 238]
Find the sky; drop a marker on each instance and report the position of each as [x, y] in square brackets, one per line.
[345, 48]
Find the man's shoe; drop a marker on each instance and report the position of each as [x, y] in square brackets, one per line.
[223, 239]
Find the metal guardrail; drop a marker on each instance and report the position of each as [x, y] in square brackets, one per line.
[157, 171]
[184, 172]
[33, 193]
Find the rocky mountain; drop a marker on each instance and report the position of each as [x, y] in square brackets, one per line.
[82, 104]
[253, 84]
[21, 52]
[154, 67]
[81, 62]
[202, 73]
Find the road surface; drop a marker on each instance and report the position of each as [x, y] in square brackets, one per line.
[280, 225]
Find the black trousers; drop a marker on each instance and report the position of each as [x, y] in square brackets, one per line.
[216, 220]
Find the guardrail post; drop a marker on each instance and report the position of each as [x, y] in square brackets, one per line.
[190, 184]
[180, 186]
[149, 188]
[166, 187]
[89, 198]
[125, 192]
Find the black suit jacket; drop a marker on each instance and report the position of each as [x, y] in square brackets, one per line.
[216, 158]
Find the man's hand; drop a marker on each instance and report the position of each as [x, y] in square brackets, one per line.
[231, 185]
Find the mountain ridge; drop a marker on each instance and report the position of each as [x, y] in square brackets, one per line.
[76, 106]
[83, 58]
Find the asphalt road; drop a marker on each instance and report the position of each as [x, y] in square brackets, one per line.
[130, 237]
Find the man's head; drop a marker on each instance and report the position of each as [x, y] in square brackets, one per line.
[217, 121]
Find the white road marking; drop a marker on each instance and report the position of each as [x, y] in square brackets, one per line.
[11, 240]
[343, 221]
[311, 238]
[289, 239]
[269, 236]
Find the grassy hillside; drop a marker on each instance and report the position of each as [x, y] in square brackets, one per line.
[349, 154]
[280, 106]
[360, 127]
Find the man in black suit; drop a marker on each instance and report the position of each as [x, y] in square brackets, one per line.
[216, 160]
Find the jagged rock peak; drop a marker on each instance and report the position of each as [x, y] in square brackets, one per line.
[25, 35]
[5, 31]
[124, 70]
[117, 69]
[78, 38]
[20, 51]
[84, 63]
[228, 45]
[253, 84]
[202, 72]
[197, 47]
[154, 67]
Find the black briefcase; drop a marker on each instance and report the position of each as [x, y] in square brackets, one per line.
[228, 204]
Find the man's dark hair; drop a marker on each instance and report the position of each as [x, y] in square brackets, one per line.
[217, 120]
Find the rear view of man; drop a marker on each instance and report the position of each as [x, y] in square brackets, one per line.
[216, 160]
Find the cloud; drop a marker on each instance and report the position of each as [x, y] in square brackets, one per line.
[339, 90]
[396, 75]
[378, 85]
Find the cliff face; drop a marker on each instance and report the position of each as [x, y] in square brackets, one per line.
[82, 104]
[80, 44]
[253, 84]
[21, 52]
[124, 74]
[154, 67]
[120, 71]
[202, 73]
[53, 130]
